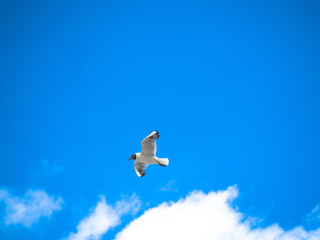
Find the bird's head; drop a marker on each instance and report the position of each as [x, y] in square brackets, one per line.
[133, 156]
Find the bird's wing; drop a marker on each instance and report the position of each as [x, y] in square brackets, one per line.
[139, 168]
[149, 146]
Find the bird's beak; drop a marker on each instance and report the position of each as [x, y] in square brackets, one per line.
[130, 158]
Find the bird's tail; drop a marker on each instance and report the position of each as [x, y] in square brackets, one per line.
[164, 161]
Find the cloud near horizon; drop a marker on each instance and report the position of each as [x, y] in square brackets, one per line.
[27, 210]
[104, 217]
[206, 217]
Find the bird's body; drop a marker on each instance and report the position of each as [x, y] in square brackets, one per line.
[151, 159]
[148, 155]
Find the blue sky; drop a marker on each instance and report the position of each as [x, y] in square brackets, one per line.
[233, 87]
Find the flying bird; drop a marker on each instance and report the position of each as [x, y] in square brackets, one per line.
[148, 155]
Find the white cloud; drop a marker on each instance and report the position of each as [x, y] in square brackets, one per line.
[104, 217]
[206, 217]
[27, 210]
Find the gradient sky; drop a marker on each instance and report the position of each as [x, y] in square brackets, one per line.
[233, 88]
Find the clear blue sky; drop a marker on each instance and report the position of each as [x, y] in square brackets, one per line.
[233, 87]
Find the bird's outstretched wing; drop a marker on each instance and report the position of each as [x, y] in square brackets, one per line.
[149, 146]
[140, 168]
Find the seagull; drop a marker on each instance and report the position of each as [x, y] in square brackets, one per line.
[148, 155]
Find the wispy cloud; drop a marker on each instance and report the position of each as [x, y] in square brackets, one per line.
[28, 209]
[314, 215]
[170, 187]
[47, 169]
[104, 217]
[206, 217]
